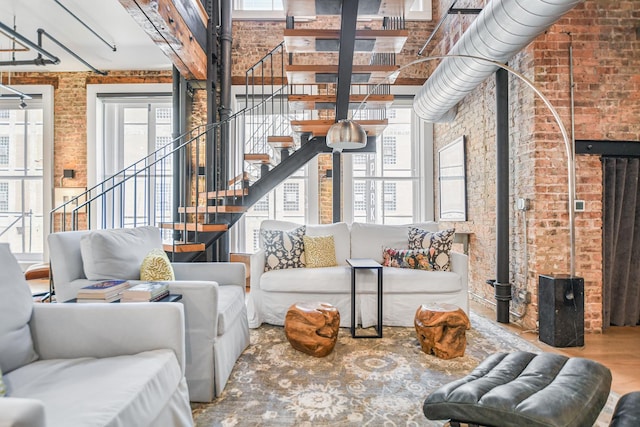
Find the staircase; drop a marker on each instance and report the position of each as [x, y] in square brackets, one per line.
[289, 107]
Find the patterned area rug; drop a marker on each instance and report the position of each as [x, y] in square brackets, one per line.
[363, 382]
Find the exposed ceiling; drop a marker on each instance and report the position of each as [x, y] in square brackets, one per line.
[108, 18]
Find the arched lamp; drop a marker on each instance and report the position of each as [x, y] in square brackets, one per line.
[346, 134]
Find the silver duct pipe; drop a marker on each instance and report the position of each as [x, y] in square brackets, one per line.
[500, 31]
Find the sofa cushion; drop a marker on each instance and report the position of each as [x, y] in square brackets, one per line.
[230, 305]
[124, 390]
[16, 305]
[410, 281]
[341, 238]
[319, 251]
[437, 243]
[117, 253]
[417, 259]
[304, 280]
[156, 266]
[368, 240]
[283, 249]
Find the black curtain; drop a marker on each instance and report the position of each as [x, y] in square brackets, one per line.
[621, 251]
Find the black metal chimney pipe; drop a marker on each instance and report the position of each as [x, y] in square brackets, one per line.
[502, 285]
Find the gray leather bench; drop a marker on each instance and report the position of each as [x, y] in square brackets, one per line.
[627, 412]
[524, 389]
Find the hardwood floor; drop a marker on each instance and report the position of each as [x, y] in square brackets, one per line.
[618, 348]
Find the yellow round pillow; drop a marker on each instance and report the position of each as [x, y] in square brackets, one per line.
[156, 266]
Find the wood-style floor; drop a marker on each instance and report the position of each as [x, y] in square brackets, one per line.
[618, 348]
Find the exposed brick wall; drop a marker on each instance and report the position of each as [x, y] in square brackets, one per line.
[606, 60]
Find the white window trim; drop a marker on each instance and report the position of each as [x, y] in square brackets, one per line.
[423, 193]
[94, 122]
[46, 91]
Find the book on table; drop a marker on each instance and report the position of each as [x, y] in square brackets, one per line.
[105, 290]
[113, 298]
[146, 291]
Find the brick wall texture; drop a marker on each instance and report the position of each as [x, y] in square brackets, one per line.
[606, 58]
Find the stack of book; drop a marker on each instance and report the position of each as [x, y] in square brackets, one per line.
[146, 291]
[105, 291]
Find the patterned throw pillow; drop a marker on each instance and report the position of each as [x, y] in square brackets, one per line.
[417, 259]
[283, 249]
[156, 266]
[437, 243]
[319, 251]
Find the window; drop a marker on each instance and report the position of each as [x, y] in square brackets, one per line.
[400, 166]
[134, 127]
[389, 149]
[262, 205]
[256, 240]
[4, 114]
[4, 150]
[258, 9]
[359, 201]
[389, 196]
[291, 196]
[4, 196]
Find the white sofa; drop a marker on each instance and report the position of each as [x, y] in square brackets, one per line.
[74, 365]
[273, 292]
[213, 295]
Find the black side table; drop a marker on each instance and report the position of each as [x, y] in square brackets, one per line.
[365, 264]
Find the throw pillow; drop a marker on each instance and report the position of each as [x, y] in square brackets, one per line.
[156, 266]
[417, 259]
[283, 249]
[437, 243]
[319, 251]
[3, 390]
[117, 253]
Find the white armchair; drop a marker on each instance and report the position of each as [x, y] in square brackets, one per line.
[213, 295]
[77, 365]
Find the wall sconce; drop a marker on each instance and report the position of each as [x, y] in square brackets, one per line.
[328, 174]
[67, 173]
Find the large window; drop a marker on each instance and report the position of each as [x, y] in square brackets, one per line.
[392, 185]
[273, 9]
[22, 178]
[133, 128]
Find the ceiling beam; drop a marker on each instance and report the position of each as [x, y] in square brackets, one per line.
[169, 23]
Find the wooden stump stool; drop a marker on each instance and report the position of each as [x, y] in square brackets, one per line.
[312, 328]
[441, 330]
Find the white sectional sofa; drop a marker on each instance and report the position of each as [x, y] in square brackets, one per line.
[274, 291]
[78, 365]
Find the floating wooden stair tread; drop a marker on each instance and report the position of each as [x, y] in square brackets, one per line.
[192, 226]
[326, 40]
[280, 142]
[184, 247]
[328, 102]
[213, 209]
[362, 74]
[234, 192]
[261, 158]
[365, 7]
[321, 127]
[239, 178]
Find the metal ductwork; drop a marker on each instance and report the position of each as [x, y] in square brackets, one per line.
[500, 31]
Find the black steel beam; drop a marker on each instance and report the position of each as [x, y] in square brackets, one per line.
[345, 57]
[502, 285]
[608, 148]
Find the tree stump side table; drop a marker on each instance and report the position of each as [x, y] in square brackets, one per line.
[441, 330]
[312, 328]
